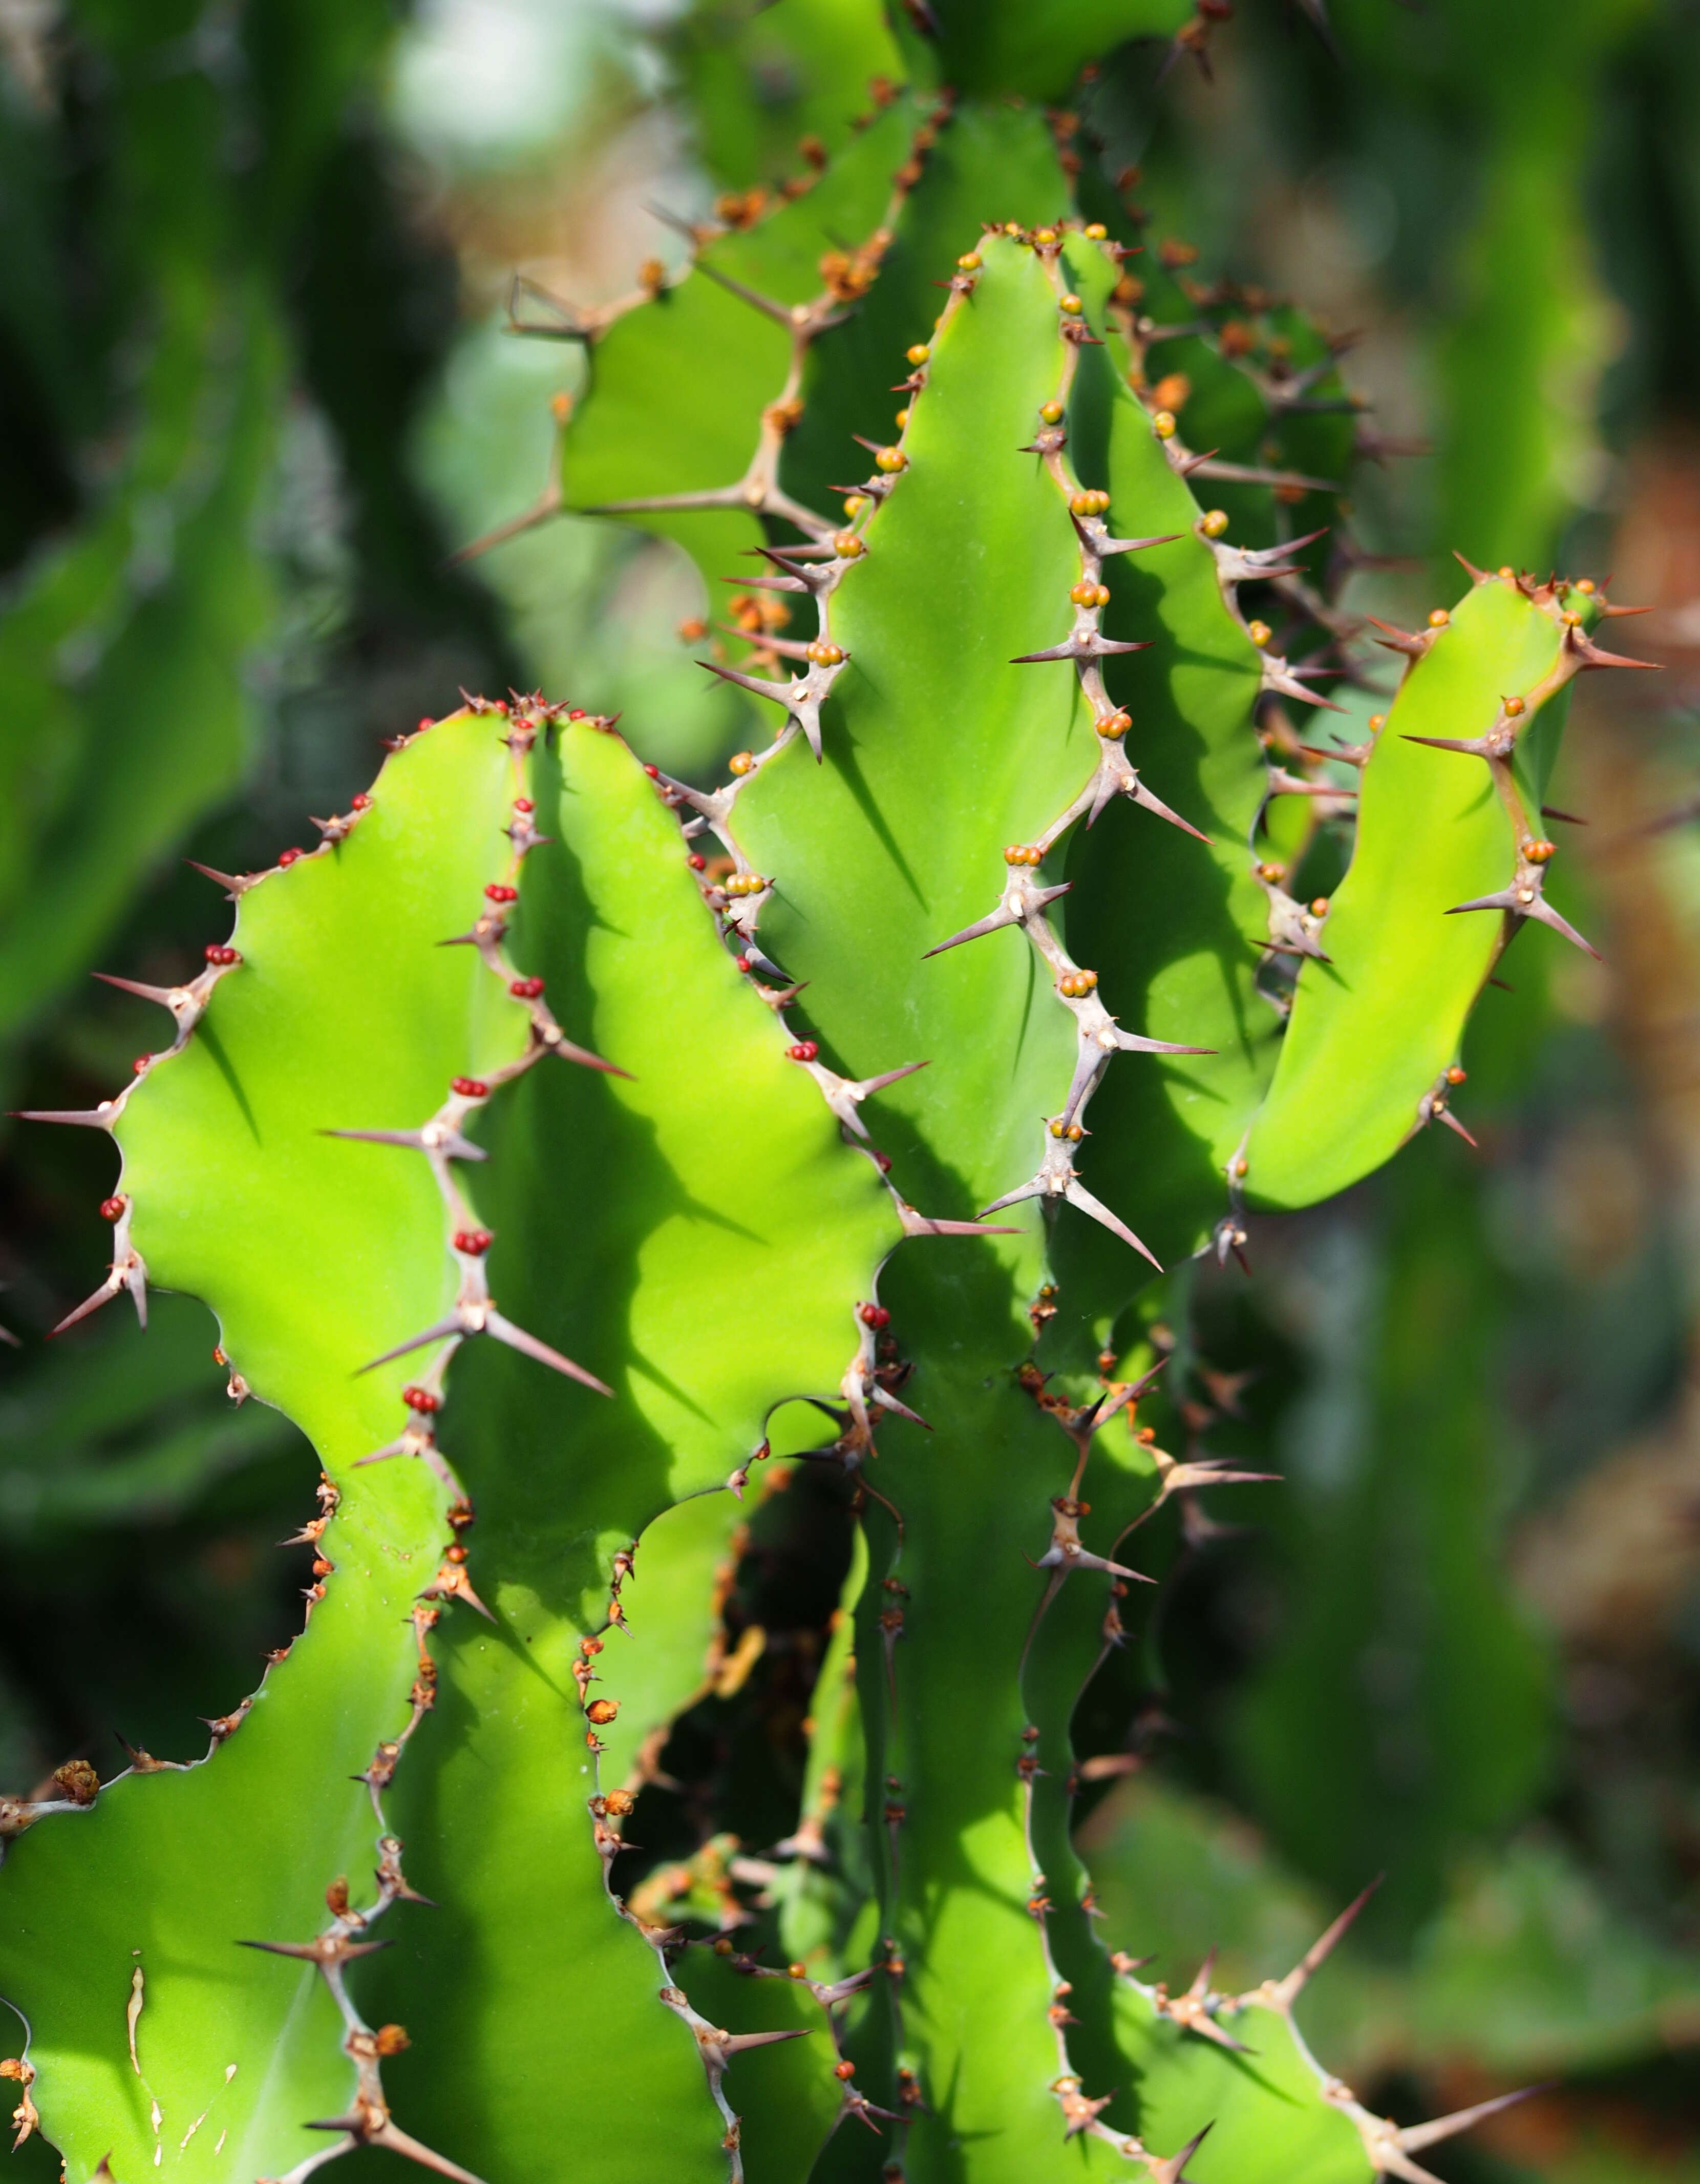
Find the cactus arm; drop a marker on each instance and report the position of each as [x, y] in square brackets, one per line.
[321, 1254]
[709, 1250]
[812, 50]
[982, 163]
[970, 561]
[1381, 1020]
[695, 456]
[758, 429]
[1038, 48]
[941, 728]
[1177, 921]
[979, 1896]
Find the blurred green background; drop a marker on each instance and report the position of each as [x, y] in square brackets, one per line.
[258, 387]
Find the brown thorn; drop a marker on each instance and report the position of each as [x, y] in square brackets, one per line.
[1287, 1990]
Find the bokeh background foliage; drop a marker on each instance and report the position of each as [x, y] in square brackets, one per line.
[258, 384]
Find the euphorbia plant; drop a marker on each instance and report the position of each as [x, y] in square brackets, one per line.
[837, 1112]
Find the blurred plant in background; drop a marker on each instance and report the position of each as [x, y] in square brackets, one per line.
[280, 473]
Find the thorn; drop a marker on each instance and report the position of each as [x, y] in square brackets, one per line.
[1471, 746]
[1147, 802]
[922, 1224]
[888, 1402]
[1086, 645]
[1585, 649]
[1078, 2113]
[450, 1583]
[765, 304]
[233, 885]
[845, 1094]
[169, 997]
[1292, 683]
[362, 2131]
[1078, 1195]
[1238, 565]
[89, 1118]
[1172, 2170]
[1414, 2137]
[324, 1949]
[1192, 2010]
[435, 1138]
[481, 1317]
[127, 1273]
[1103, 548]
[796, 694]
[1283, 783]
[1413, 645]
[1031, 1189]
[1285, 1992]
[1207, 467]
[547, 1033]
[1538, 907]
[995, 921]
[551, 502]
[739, 2043]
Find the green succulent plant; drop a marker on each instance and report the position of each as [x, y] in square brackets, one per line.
[644, 1082]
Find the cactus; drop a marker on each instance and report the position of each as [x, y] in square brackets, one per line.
[748, 1124]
